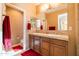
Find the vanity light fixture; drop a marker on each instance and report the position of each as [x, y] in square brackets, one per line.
[45, 7]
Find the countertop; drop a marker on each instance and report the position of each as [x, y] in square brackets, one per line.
[55, 36]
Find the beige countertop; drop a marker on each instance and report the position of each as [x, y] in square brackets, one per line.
[55, 36]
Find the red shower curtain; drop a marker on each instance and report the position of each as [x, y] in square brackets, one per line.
[6, 33]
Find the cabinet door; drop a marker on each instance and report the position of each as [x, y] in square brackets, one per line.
[56, 50]
[45, 47]
[36, 44]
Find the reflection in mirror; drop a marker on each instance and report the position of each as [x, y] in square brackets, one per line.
[57, 21]
[62, 22]
[38, 24]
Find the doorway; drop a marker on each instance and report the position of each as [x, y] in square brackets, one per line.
[16, 18]
[16, 24]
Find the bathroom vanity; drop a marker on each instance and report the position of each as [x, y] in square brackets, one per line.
[49, 44]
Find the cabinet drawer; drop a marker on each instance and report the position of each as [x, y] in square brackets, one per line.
[36, 37]
[45, 39]
[58, 42]
[44, 52]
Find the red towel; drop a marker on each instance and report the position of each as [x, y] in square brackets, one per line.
[28, 26]
[6, 30]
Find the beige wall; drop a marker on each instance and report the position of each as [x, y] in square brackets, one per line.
[1, 47]
[30, 8]
[16, 21]
[0, 17]
[77, 28]
[72, 33]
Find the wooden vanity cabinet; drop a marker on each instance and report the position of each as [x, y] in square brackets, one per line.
[48, 46]
[45, 46]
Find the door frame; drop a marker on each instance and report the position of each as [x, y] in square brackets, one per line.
[24, 22]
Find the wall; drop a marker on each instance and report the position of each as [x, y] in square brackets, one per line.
[72, 29]
[0, 17]
[52, 18]
[16, 21]
[77, 29]
[1, 28]
[30, 8]
[38, 10]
